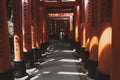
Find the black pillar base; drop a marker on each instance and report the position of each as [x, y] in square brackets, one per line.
[7, 75]
[19, 69]
[29, 59]
[37, 54]
[82, 49]
[44, 47]
[92, 67]
[77, 47]
[102, 76]
[85, 56]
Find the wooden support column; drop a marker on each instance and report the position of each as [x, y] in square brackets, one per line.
[6, 71]
[19, 63]
[77, 19]
[85, 36]
[34, 24]
[86, 39]
[105, 39]
[41, 24]
[115, 62]
[35, 29]
[44, 17]
[93, 35]
[38, 40]
[43, 29]
[71, 28]
[81, 29]
[38, 30]
[27, 43]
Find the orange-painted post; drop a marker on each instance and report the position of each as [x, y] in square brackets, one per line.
[19, 63]
[35, 28]
[115, 61]
[44, 17]
[105, 39]
[81, 24]
[27, 43]
[38, 38]
[39, 29]
[38, 25]
[85, 35]
[77, 20]
[43, 29]
[71, 28]
[41, 24]
[82, 30]
[85, 26]
[6, 72]
[93, 35]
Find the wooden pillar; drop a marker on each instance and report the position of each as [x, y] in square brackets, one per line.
[81, 29]
[77, 19]
[35, 29]
[38, 24]
[37, 51]
[93, 35]
[44, 17]
[34, 24]
[41, 24]
[6, 71]
[71, 28]
[19, 63]
[115, 64]
[86, 39]
[43, 29]
[27, 43]
[105, 39]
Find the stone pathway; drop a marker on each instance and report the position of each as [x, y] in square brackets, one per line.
[60, 64]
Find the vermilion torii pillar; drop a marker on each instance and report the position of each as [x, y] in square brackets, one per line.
[34, 23]
[43, 29]
[77, 20]
[6, 72]
[38, 23]
[115, 62]
[105, 39]
[35, 29]
[19, 63]
[44, 17]
[93, 35]
[41, 24]
[26, 24]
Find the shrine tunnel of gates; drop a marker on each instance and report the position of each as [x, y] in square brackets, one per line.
[29, 27]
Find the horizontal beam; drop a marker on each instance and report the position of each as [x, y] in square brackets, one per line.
[60, 11]
[59, 18]
[56, 4]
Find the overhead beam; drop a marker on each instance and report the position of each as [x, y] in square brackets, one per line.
[60, 11]
[56, 4]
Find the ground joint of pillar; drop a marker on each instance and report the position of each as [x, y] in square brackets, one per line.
[102, 75]
[29, 59]
[7, 74]
[37, 54]
[92, 67]
[19, 69]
